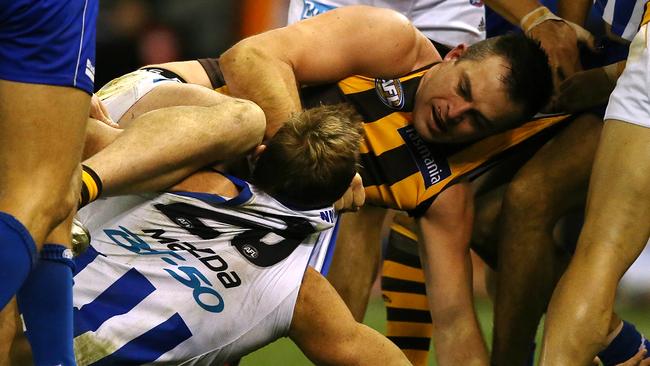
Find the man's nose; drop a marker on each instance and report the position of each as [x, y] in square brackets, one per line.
[458, 110]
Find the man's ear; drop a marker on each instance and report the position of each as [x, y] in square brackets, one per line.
[456, 52]
[259, 149]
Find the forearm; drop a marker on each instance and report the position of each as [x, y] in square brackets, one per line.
[272, 85]
[574, 10]
[444, 251]
[513, 11]
[457, 335]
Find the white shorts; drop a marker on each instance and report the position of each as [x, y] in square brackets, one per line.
[122, 93]
[630, 100]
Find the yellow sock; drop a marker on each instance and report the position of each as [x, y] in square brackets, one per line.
[91, 186]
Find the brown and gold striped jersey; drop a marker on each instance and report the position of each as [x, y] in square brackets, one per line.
[399, 169]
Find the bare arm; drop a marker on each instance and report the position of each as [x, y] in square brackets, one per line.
[574, 10]
[326, 332]
[444, 249]
[166, 144]
[267, 68]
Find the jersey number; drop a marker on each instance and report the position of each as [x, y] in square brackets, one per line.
[248, 243]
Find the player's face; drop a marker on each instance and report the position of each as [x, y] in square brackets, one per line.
[459, 101]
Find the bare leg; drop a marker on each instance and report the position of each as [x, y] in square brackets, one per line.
[616, 230]
[326, 332]
[544, 190]
[356, 257]
[40, 150]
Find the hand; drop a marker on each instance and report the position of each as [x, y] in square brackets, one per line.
[636, 360]
[353, 198]
[559, 38]
[583, 90]
[98, 111]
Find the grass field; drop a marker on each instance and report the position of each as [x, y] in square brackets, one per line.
[284, 353]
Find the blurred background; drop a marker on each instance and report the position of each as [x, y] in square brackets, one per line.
[133, 33]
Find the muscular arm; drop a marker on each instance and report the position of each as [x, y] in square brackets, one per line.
[326, 332]
[444, 249]
[166, 144]
[267, 68]
[574, 10]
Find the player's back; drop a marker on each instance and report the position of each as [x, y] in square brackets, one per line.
[189, 277]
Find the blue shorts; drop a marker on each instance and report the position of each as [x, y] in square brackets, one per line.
[48, 42]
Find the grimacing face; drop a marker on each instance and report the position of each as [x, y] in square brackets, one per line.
[460, 101]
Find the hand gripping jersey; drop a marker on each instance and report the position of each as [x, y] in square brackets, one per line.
[399, 169]
[189, 278]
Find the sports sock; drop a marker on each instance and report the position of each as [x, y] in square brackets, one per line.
[17, 256]
[91, 186]
[45, 302]
[409, 323]
[625, 345]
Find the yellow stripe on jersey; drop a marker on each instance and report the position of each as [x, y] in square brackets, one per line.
[356, 84]
[646, 14]
[382, 135]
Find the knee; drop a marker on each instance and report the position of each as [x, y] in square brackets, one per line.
[59, 202]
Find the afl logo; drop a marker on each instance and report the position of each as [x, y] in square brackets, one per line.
[181, 221]
[390, 92]
[249, 251]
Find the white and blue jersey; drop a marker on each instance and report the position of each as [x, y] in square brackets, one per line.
[624, 16]
[189, 278]
[448, 22]
[48, 42]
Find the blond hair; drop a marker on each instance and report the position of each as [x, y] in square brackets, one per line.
[311, 160]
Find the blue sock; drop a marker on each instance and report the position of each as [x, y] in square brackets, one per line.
[17, 256]
[625, 345]
[45, 302]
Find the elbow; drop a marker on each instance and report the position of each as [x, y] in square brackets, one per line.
[241, 56]
[253, 121]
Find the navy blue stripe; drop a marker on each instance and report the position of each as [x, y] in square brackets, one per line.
[85, 259]
[119, 298]
[622, 14]
[150, 345]
[327, 263]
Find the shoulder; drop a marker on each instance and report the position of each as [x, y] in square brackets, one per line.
[208, 181]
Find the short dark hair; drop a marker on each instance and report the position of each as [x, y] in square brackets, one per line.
[530, 81]
[313, 157]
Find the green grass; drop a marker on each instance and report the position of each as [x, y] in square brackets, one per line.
[284, 352]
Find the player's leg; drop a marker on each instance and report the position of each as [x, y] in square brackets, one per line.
[544, 190]
[356, 257]
[40, 297]
[40, 149]
[324, 329]
[179, 129]
[616, 230]
[408, 317]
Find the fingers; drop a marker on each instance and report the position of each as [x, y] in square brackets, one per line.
[353, 198]
[98, 111]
